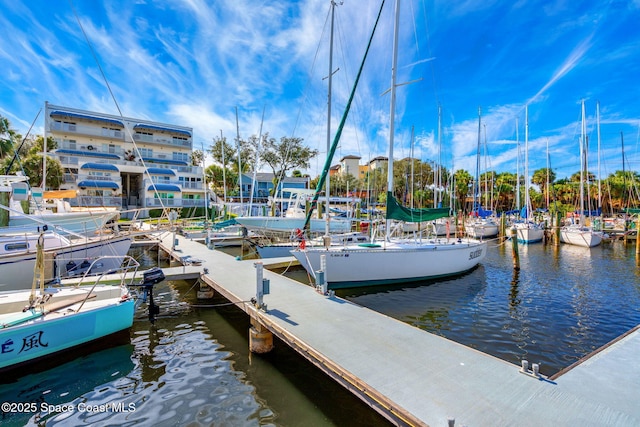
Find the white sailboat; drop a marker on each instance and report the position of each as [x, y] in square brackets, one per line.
[580, 234]
[64, 220]
[527, 231]
[393, 261]
[481, 223]
[294, 216]
[63, 257]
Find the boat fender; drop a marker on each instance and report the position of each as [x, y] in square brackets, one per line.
[300, 238]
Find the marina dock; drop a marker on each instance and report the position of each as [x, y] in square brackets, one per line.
[413, 377]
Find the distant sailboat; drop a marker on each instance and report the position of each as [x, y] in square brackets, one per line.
[481, 224]
[580, 234]
[527, 231]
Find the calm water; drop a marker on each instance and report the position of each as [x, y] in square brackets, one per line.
[193, 366]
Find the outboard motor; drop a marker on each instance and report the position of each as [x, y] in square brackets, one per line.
[149, 279]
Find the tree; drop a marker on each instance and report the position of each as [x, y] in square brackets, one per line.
[285, 155]
[217, 180]
[221, 151]
[463, 180]
[541, 177]
[29, 161]
[197, 157]
[8, 137]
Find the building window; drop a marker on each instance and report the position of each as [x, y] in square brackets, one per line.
[180, 140]
[181, 157]
[144, 136]
[146, 152]
[157, 195]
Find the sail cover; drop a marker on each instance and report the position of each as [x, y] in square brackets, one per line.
[401, 213]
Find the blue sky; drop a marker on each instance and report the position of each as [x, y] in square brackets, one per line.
[192, 63]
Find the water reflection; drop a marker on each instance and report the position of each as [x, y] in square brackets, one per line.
[66, 382]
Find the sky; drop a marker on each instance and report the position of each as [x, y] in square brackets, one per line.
[196, 63]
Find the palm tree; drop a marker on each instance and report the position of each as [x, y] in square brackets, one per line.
[541, 177]
[463, 180]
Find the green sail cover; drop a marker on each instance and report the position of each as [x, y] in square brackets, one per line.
[395, 211]
[632, 211]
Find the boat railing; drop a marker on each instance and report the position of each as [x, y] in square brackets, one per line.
[128, 263]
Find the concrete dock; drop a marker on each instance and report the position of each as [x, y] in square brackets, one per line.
[413, 377]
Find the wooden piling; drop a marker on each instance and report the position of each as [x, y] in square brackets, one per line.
[638, 237]
[514, 249]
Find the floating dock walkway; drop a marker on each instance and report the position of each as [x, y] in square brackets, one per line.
[413, 377]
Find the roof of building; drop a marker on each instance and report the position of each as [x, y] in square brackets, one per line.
[351, 157]
[162, 129]
[60, 113]
[379, 159]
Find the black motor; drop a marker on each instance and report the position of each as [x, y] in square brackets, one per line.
[152, 276]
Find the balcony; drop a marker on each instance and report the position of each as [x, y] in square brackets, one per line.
[87, 130]
[96, 201]
[162, 140]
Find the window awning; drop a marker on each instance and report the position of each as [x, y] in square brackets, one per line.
[160, 171]
[164, 187]
[111, 122]
[100, 166]
[87, 154]
[162, 129]
[98, 184]
[165, 161]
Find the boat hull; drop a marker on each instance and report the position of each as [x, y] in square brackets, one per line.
[580, 237]
[85, 223]
[38, 339]
[284, 224]
[529, 234]
[16, 270]
[369, 265]
[482, 229]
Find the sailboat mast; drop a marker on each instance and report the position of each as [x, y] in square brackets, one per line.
[526, 160]
[583, 132]
[517, 166]
[224, 167]
[392, 108]
[438, 168]
[599, 172]
[330, 78]
[239, 162]
[412, 169]
[476, 186]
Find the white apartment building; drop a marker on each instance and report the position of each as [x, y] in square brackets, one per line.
[106, 168]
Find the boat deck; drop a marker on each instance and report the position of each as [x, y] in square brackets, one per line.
[413, 377]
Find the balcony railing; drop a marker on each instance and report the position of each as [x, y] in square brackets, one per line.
[93, 201]
[152, 203]
[161, 140]
[80, 129]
